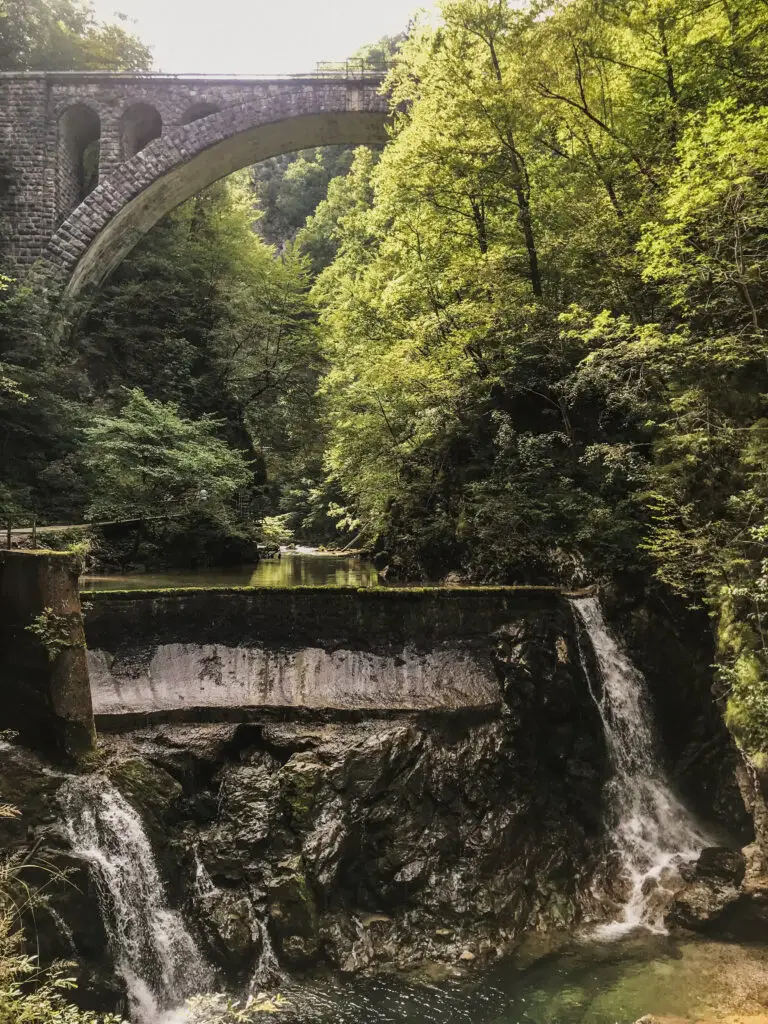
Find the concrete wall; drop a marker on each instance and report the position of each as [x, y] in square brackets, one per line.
[183, 677]
[194, 654]
[44, 694]
[377, 619]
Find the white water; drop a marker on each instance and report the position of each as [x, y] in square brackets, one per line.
[267, 972]
[650, 829]
[152, 949]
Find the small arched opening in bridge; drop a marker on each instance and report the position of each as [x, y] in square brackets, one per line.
[198, 111]
[139, 125]
[77, 157]
[99, 234]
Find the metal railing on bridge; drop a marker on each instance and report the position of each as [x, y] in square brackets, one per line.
[352, 69]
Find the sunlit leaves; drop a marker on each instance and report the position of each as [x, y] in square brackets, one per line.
[150, 461]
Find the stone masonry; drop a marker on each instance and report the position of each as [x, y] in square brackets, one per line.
[89, 162]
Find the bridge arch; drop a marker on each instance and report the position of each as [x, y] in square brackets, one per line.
[77, 156]
[141, 123]
[112, 218]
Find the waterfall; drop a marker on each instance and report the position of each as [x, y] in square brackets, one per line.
[267, 972]
[650, 829]
[153, 951]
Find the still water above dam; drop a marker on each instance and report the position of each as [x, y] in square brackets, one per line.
[303, 567]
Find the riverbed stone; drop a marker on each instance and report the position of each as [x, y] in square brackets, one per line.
[717, 900]
[701, 904]
[722, 863]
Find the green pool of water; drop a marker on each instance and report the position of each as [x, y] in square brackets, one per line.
[292, 569]
[579, 984]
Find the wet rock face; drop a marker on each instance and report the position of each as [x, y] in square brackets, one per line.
[387, 840]
[721, 899]
[231, 927]
[394, 840]
[401, 838]
[68, 925]
[721, 863]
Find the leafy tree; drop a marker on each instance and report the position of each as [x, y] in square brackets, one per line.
[63, 35]
[40, 411]
[545, 311]
[204, 314]
[150, 461]
[289, 188]
[41, 390]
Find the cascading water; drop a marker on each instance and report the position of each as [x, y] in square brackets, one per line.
[650, 829]
[153, 951]
[267, 972]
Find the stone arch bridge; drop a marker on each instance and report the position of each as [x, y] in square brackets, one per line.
[89, 162]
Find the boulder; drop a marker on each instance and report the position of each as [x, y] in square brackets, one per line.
[231, 926]
[717, 901]
[701, 904]
[722, 863]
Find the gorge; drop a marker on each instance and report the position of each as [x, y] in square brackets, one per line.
[450, 773]
[384, 581]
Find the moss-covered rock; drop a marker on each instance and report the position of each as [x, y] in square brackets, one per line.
[293, 912]
[300, 781]
[151, 789]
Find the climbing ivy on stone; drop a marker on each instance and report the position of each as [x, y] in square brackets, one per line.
[53, 631]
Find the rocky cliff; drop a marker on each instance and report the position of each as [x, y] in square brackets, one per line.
[390, 839]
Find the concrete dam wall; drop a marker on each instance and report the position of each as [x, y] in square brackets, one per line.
[211, 654]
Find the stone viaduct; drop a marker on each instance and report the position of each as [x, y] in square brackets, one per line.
[89, 162]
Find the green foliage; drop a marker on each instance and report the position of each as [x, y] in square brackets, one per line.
[534, 346]
[289, 188]
[63, 35]
[545, 313]
[275, 530]
[204, 314]
[53, 631]
[151, 461]
[39, 412]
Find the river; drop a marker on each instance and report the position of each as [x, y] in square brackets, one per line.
[302, 567]
[582, 983]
